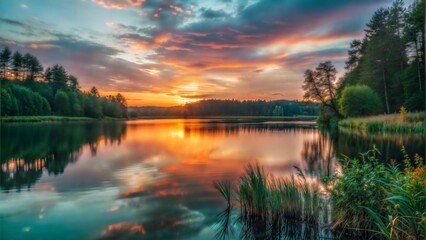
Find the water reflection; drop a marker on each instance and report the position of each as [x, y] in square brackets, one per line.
[28, 149]
[150, 179]
[351, 144]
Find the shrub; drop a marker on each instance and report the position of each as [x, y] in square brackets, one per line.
[359, 100]
[405, 216]
[358, 187]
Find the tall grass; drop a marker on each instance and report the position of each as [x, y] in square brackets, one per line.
[266, 202]
[393, 123]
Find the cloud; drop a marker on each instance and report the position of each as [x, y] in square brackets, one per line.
[23, 5]
[210, 13]
[119, 4]
[121, 26]
[13, 22]
[163, 46]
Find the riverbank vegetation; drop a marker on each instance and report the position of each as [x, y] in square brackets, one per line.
[370, 198]
[28, 91]
[266, 202]
[367, 199]
[392, 123]
[384, 72]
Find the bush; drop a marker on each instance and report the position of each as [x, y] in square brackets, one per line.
[369, 197]
[359, 186]
[359, 100]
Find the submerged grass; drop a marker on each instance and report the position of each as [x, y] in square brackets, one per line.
[266, 202]
[392, 123]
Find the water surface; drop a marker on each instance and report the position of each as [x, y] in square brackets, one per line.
[151, 179]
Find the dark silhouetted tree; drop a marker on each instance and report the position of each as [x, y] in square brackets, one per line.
[17, 61]
[4, 60]
[320, 86]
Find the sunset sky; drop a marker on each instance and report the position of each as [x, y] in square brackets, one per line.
[169, 52]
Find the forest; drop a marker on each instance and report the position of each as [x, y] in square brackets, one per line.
[215, 107]
[385, 71]
[27, 90]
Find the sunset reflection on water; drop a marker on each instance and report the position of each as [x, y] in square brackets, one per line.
[146, 178]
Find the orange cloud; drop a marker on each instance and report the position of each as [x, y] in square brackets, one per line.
[119, 4]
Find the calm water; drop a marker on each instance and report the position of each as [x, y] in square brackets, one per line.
[152, 179]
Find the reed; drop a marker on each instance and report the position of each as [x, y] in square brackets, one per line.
[393, 123]
[266, 202]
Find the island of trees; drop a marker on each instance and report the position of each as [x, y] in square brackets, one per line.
[27, 90]
[385, 69]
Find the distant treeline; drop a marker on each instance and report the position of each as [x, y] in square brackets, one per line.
[215, 107]
[28, 91]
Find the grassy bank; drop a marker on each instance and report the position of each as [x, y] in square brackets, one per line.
[392, 123]
[49, 119]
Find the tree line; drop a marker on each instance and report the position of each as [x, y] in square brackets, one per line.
[27, 90]
[215, 107]
[384, 72]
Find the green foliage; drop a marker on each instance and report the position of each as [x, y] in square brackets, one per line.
[111, 108]
[75, 104]
[92, 107]
[358, 187]
[359, 100]
[56, 77]
[369, 197]
[6, 103]
[37, 94]
[29, 102]
[271, 207]
[215, 107]
[263, 196]
[390, 58]
[405, 215]
[62, 103]
[278, 111]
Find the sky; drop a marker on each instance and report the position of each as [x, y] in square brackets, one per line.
[171, 52]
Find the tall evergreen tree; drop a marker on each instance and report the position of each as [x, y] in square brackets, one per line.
[17, 64]
[4, 60]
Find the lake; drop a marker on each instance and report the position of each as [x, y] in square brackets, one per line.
[153, 179]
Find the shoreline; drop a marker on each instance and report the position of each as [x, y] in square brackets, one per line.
[392, 123]
[34, 119]
[17, 119]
